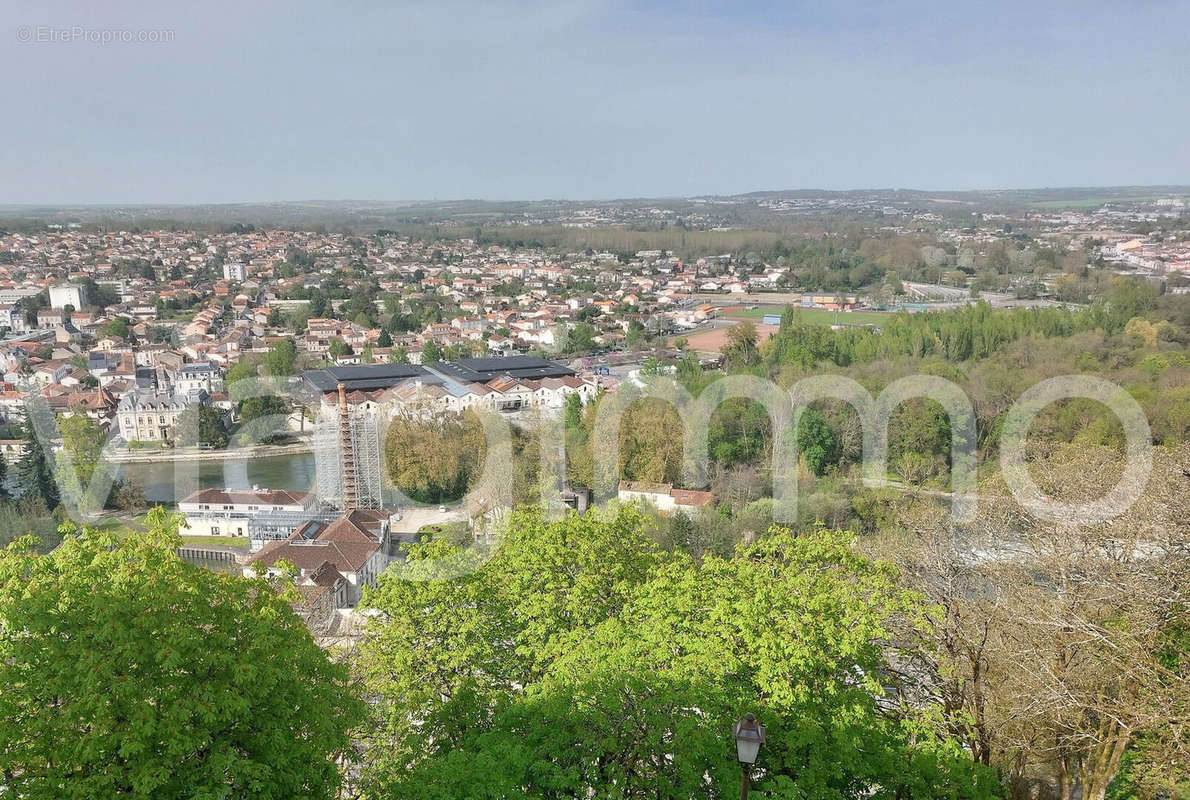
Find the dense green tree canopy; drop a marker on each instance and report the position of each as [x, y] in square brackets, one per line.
[434, 457]
[582, 661]
[128, 672]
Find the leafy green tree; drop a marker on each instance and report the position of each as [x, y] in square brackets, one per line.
[455, 352]
[580, 338]
[263, 416]
[434, 457]
[922, 427]
[572, 412]
[82, 447]
[117, 326]
[652, 367]
[337, 348]
[385, 339]
[739, 433]
[131, 673]
[82, 441]
[816, 441]
[398, 356]
[280, 359]
[584, 661]
[689, 372]
[431, 352]
[127, 495]
[636, 336]
[201, 424]
[239, 371]
[651, 442]
[740, 350]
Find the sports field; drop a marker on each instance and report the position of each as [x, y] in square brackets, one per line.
[712, 341]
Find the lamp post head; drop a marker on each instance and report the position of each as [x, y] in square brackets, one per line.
[749, 736]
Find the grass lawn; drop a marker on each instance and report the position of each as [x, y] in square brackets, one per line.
[815, 315]
[121, 527]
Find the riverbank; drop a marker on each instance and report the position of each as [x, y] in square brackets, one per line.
[126, 456]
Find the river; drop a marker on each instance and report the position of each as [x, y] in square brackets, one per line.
[294, 471]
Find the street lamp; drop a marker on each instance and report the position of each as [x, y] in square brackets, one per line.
[749, 736]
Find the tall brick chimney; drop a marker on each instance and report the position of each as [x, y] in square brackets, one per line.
[347, 454]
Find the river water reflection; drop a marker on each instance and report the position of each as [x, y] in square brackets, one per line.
[294, 471]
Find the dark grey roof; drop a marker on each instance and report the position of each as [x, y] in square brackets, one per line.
[146, 378]
[198, 366]
[370, 376]
[482, 370]
[98, 359]
[468, 370]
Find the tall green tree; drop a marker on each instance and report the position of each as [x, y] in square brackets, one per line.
[740, 350]
[82, 441]
[35, 478]
[434, 457]
[128, 672]
[431, 352]
[816, 441]
[280, 359]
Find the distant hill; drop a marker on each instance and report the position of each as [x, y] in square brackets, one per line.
[752, 209]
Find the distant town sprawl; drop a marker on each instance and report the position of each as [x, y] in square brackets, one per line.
[98, 319]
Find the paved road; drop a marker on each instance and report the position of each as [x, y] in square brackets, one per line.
[414, 519]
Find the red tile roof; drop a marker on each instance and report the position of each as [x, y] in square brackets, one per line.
[346, 544]
[269, 497]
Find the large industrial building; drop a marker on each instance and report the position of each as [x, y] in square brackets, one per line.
[348, 449]
[468, 370]
[492, 384]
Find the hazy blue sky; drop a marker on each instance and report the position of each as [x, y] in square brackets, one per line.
[438, 99]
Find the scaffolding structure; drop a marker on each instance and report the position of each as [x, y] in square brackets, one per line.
[347, 457]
